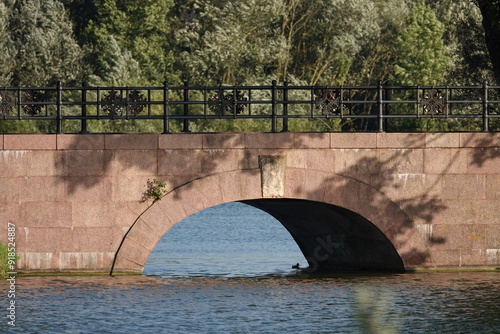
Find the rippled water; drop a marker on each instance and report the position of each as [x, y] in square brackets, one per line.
[235, 285]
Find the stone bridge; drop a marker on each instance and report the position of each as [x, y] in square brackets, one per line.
[375, 201]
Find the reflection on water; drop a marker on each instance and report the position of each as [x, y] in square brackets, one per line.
[228, 270]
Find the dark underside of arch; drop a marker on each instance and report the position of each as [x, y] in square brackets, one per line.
[332, 238]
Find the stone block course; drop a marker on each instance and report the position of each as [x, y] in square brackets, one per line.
[445, 161]
[464, 186]
[30, 142]
[131, 141]
[401, 140]
[312, 140]
[270, 140]
[80, 142]
[442, 140]
[353, 140]
[224, 141]
[478, 139]
[184, 141]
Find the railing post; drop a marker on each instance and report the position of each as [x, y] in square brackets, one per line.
[59, 108]
[285, 107]
[486, 118]
[166, 125]
[380, 107]
[387, 97]
[185, 127]
[274, 115]
[84, 108]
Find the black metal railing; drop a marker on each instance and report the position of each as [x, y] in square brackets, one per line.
[277, 107]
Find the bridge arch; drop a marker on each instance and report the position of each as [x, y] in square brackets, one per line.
[369, 230]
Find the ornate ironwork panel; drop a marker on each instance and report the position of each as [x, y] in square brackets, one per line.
[329, 102]
[135, 97]
[7, 103]
[115, 104]
[221, 102]
[433, 102]
[33, 96]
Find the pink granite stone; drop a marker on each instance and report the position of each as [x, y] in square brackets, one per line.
[172, 206]
[270, 140]
[43, 163]
[251, 187]
[11, 189]
[447, 236]
[95, 214]
[218, 161]
[210, 190]
[296, 158]
[143, 235]
[402, 161]
[312, 140]
[30, 142]
[133, 162]
[142, 141]
[46, 214]
[477, 139]
[181, 141]
[485, 160]
[230, 186]
[295, 183]
[320, 160]
[83, 163]
[464, 186]
[80, 142]
[40, 239]
[446, 258]
[224, 141]
[401, 140]
[47, 189]
[357, 161]
[493, 186]
[445, 161]
[413, 251]
[156, 219]
[172, 162]
[132, 256]
[473, 257]
[315, 184]
[130, 188]
[93, 239]
[353, 140]
[14, 163]
[442, 140]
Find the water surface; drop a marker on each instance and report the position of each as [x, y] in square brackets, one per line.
[228, 270]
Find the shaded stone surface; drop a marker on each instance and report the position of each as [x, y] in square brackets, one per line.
[332, 238]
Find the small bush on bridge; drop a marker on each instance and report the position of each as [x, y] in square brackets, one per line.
[156, 190]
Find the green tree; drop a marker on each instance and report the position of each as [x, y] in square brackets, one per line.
[422, 57]
[7, 55]
[45, 48]
[228, 42]
[139, 28]
[465, 42]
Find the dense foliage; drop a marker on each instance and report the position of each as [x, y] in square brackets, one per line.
[314, 42]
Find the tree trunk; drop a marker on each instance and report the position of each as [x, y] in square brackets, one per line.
[490, 11]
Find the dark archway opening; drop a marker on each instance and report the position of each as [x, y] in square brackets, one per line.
[333, 238]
